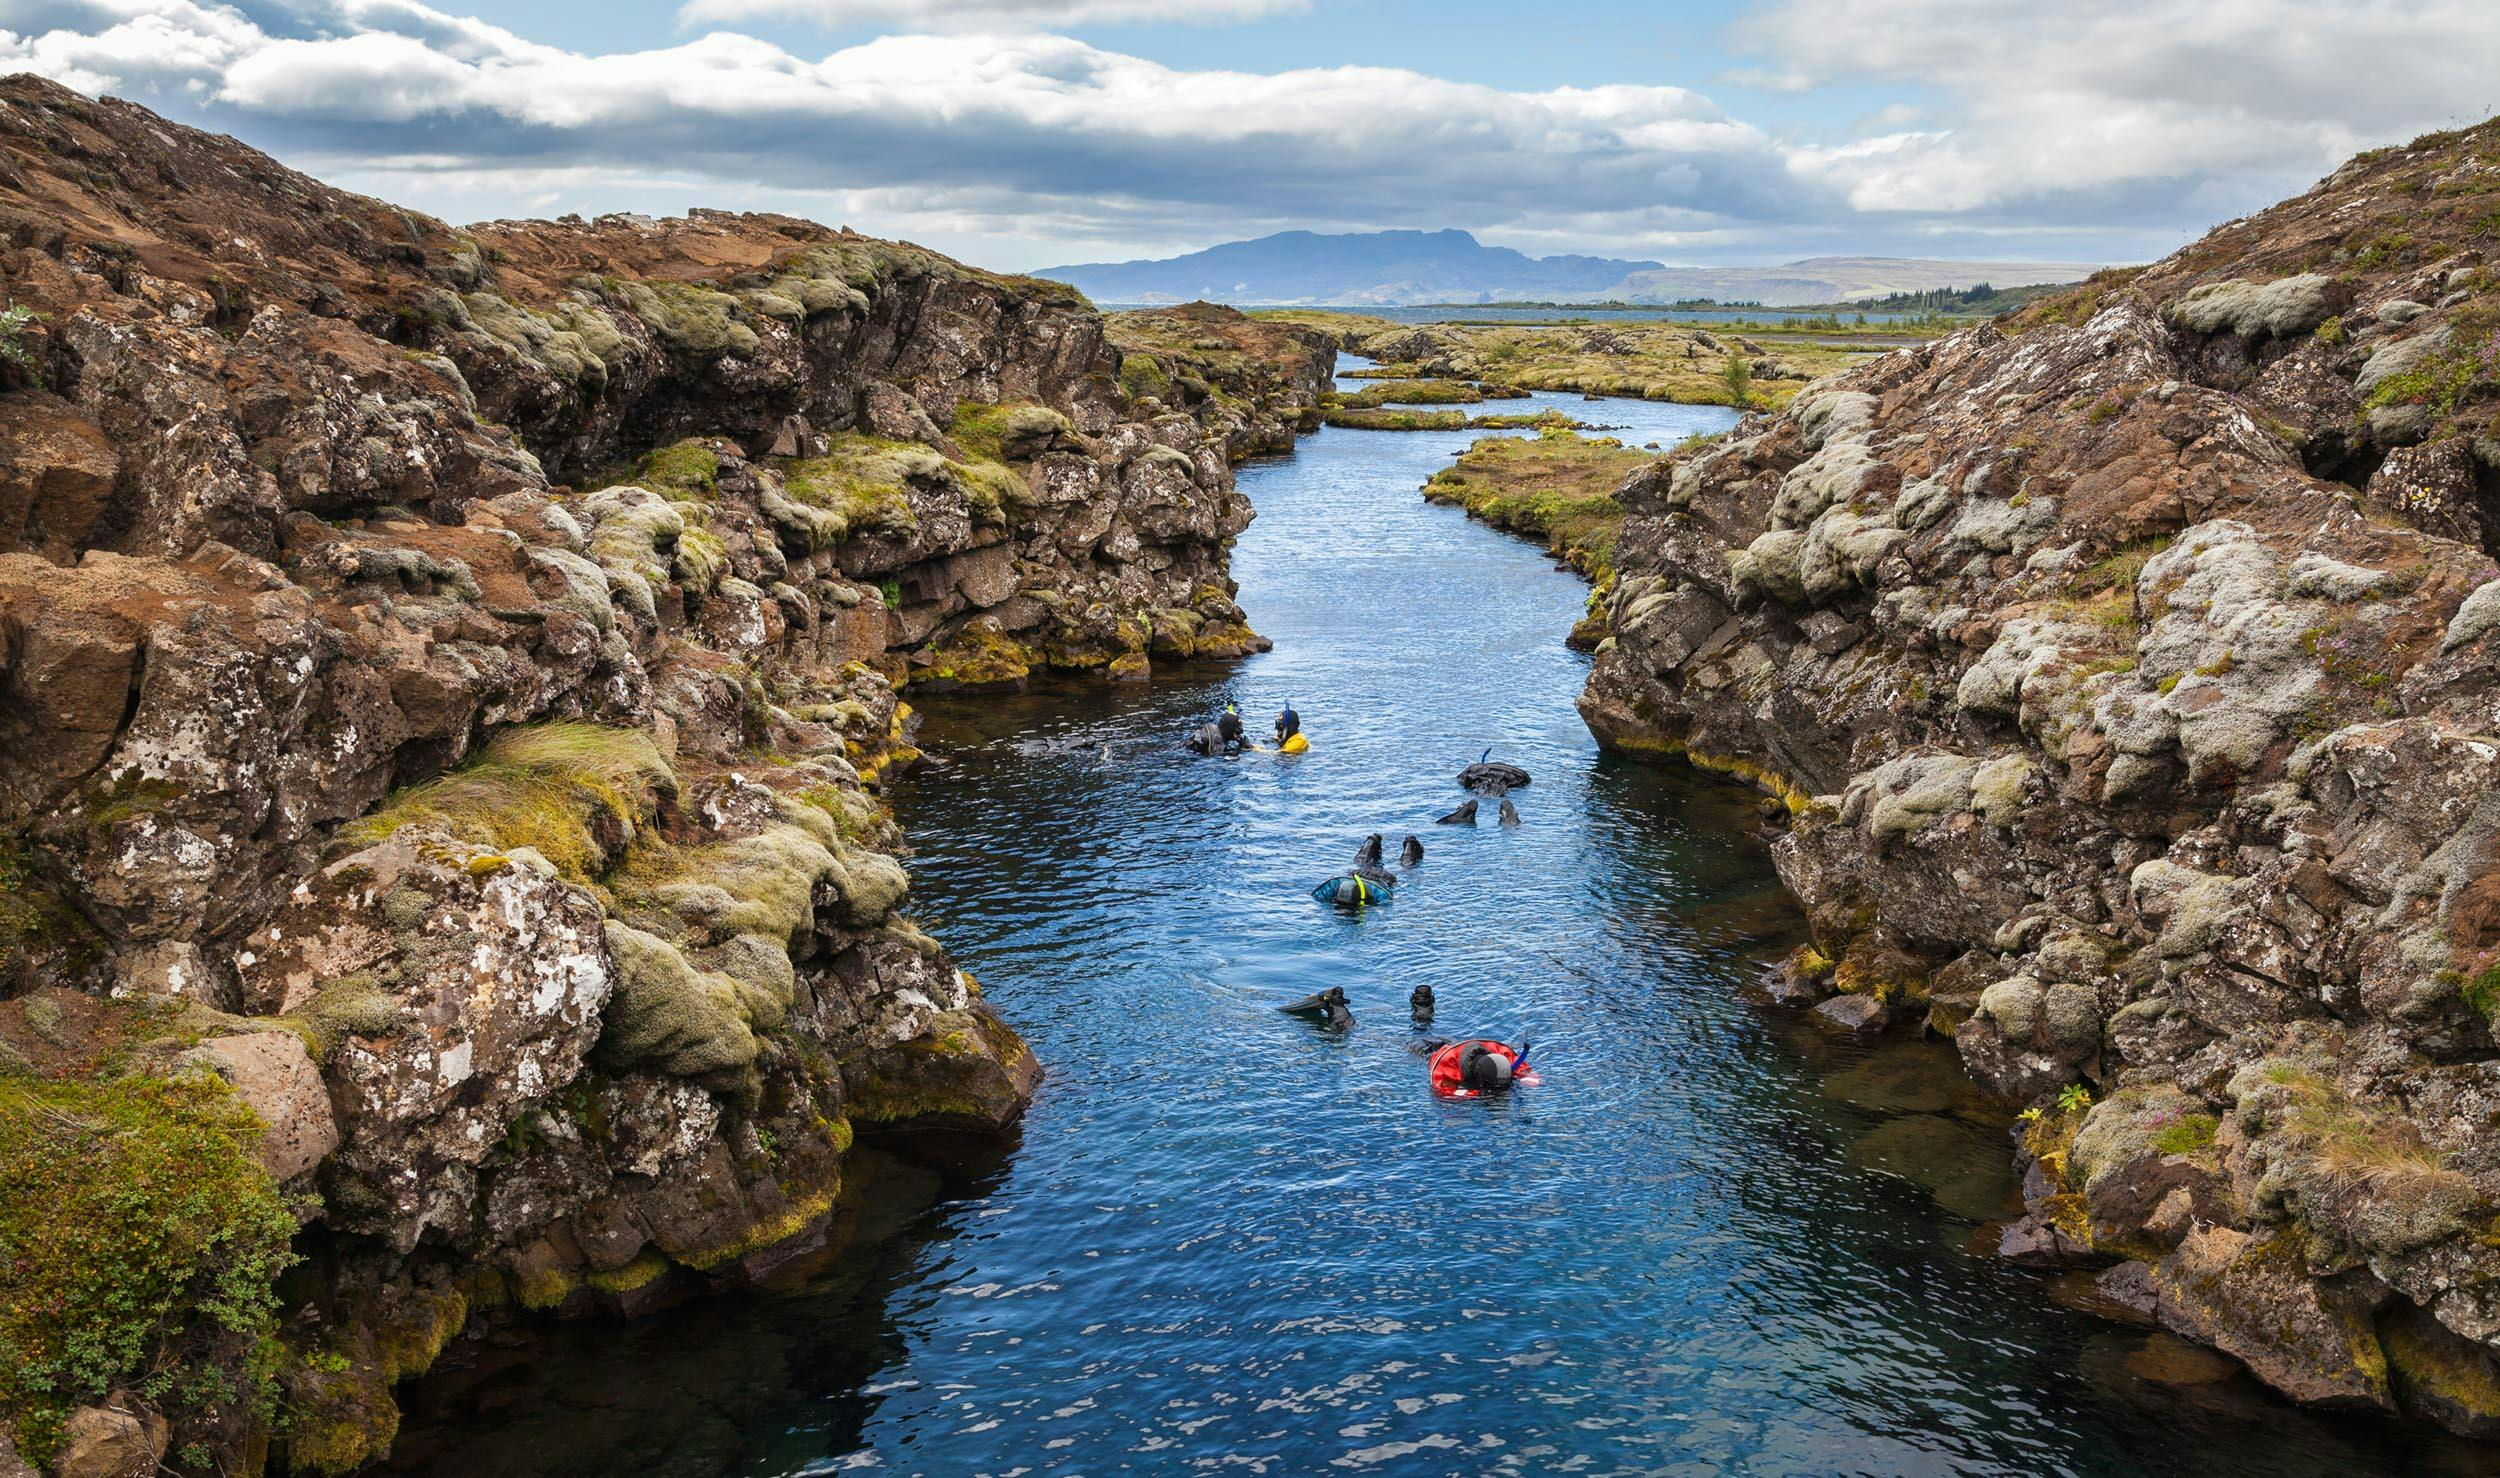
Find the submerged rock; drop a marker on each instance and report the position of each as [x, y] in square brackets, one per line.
[1962, 1167]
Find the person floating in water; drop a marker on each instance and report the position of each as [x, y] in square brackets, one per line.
[1288, 723]
[1328, 1008]
[1475, 1069]
[1491, 777]
[1229, 727]
[1355, 888]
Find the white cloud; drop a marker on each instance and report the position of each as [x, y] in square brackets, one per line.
[2129, 104]
[983, 15]
[2106, 129]
[1036, 122]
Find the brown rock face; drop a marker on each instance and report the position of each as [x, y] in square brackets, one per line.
[276, 1079]
[60, 474]
[2126, 666]
[121, 1439]
[450, 677]
[2313, 1343]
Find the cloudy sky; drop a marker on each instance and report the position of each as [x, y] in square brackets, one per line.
[1024, 133]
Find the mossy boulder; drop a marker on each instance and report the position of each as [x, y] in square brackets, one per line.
[965, 1071]
[669, 1016]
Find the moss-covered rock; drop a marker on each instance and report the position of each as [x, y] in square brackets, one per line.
[574, 794]
[671, 1017]
[965, 1071]
[980, 657]
[2454, 1382]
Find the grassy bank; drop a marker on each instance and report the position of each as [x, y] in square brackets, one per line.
[1754, 369]
[1558, 487]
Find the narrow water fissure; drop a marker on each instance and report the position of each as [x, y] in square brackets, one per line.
[1708, 1239]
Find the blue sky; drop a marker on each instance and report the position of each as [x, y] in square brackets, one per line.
[1024, 133]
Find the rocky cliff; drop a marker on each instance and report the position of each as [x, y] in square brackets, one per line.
[2127, 670]
[447, 678]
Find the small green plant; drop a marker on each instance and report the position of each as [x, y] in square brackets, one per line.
[143, 1242]
[892, 590]
[2030, 1115]
[13, 322]
[1737, 376]
[2482, 992]
[2073, 1098]
[2331, 331]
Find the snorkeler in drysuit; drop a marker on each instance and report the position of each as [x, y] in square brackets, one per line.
[1411, 853]
[1288, 723]
[1474, 1069]
[1328, 1008]
[1419, 1007]
[1205, 739]
[1491, 777]
[1229, 725]
[1355, 888]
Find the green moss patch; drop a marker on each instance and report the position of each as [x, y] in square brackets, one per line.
[687, 471]
[2482, 992]
[1007, 432]
[543, 787]
[862, 485]
[1142, 375]
[2186, 1135]
[141, 1241]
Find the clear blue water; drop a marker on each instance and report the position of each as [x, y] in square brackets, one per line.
[1707, 1241]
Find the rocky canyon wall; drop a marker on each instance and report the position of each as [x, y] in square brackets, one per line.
[447, 679]
[2125, 670]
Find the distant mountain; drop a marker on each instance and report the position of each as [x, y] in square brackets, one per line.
[1401, 267]
[1375, 267]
